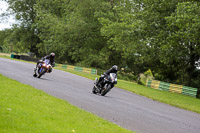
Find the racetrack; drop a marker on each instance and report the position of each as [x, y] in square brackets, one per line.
[124, 108]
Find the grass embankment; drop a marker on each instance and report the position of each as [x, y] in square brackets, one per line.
[7, 56]
[26, 109]
[4, 55]
[178, 100]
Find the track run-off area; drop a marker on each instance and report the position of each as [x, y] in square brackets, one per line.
[131, 111]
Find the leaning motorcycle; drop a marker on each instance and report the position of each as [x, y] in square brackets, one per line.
[43, 67]
[106, 85]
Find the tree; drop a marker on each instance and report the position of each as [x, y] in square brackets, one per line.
[183, 43]
[134, 34]
[4, 47]
[24, 12]
[72, 27]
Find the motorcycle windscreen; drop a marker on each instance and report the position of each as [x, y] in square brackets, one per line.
[113, 77]
[47, 61]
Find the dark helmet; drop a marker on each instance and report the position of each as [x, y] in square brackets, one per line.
[52, 55]
[115, 67]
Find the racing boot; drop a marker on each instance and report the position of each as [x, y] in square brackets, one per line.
[35, 75]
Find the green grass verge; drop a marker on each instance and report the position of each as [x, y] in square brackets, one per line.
[8, 57]
[5, 56]
[26, 109]
[174, 99]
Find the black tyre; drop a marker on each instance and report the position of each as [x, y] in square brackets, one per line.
[34, 75]
[94, 90]
[106, 90]
[43, 71]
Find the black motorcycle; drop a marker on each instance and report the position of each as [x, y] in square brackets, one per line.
[106, 85]
[43, 67]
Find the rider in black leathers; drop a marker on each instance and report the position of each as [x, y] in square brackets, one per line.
[51, 59]
[113, 69]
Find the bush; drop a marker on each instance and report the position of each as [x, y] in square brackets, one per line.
[127, 76]
[143, 77]
[148, 73]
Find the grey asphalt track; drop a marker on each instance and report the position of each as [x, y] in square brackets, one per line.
[131, 111]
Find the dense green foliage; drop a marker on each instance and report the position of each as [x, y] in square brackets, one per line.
[136, 35]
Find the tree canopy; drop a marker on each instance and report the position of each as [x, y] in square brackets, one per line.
[136, 35]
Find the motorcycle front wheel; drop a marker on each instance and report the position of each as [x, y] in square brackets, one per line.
[42, 72]
[94, 90]
[106, 90]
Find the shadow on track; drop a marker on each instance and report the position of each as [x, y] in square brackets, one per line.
[42, 79]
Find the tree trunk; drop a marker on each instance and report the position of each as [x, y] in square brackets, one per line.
[191, 67]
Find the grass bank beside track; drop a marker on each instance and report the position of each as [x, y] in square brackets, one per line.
[174, 99]
[26, 109]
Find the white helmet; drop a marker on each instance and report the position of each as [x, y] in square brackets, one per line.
[52, 54]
